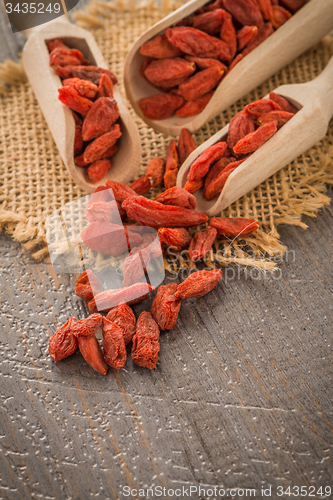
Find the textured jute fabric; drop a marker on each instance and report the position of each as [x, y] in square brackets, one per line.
[34, 182]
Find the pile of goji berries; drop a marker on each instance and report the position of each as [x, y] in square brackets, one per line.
[88, 91]
[190, 59]
[119, 326]
[248, 131]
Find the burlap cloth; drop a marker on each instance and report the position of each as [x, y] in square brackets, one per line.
[34, 183]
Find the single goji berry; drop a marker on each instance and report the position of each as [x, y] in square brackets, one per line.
[92, 353]
[266, 9]
[280, 16]
[193, 186]
[185, 145]
[281, 117]
[201, 164]
[198, 284]
[238, 58]
[191, 108]
[206, 62]
[233, 227]
[240, 125]
[261, 107]
[100, 118]
[246, 35]
[87, 285]
[71, 98]
[167, 73]
[177, 197]
[55, 43]
[65, 57]
[105, 87]
[78, 141]
[87, 327]
[251, 142]
[80, 162]
[120, 191]
[210, 22]
[92, 73]
[264, 32]
[109, 238]
[108, 299]
[216, 185]
[86, 89]
[99, 146]
[293, 5]
[105, 211]
[165, 307]
[141, 185]
[216, 169]
[175, 238]
[172, 165]
[159, 47]
[201, 243]
[113, 344]
[155, 171]
[245, 11]
[160, 106]
[98, 169]
[228, 35]
[282, 102]
[70, 82]
[123, 316]
[200, 83]
[63, 343]
[197, 43]
[154, 214]
[145, 341]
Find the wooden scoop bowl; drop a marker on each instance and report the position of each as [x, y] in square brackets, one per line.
[309, 125]
[303, 30]
[45, 83]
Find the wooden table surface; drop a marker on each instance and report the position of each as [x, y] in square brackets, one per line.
[241, 397]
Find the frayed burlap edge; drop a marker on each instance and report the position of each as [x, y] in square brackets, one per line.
[264, 245]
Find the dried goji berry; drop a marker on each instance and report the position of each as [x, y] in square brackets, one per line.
[141, 185]
[251, 142]
[71, 98]
[282, 102]
[113, 344]
[200, 166]
[217, 184]
[191, 108]
[87, 285]
[246, 35]
[120, 191]
[215, 171]
[123, 316]
[261, 107]
[65, 57]
[201, 243]
[155, 171]
[79, 160]
[210, 22]
[240, 125]
[63, 343]
[98, 147]
[177, 197]
[200, 83]
[194, 186]
[264, 32]
[87, 327]
[105, 87]
[159, 47]
[172, 165]
[108, 238]
[154, 214]
[198, 284]
[167, 73]
[160, 106]
[293, 5]
[70, 82]
[86, 89]
[281, 117]
[206, 62]
[145, 341]
[92, 73]
[101, 116]
[92, 353]
[238, 58]
[174, 238]
[245, 11]
[233, 227]
[185, 146]
[228, 35]
[78, 141]
[55, 43]
[266, 9]
[108, 299]
[197, 43]
[98, 169]
[165, 307]
[280, 16]
[104, 211]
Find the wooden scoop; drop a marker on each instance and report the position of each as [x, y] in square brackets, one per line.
[45, 83]
[303, 30]
[309, 125]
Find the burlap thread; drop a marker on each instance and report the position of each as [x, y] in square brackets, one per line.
[34, 182]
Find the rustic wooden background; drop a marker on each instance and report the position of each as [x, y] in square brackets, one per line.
[241, 396]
